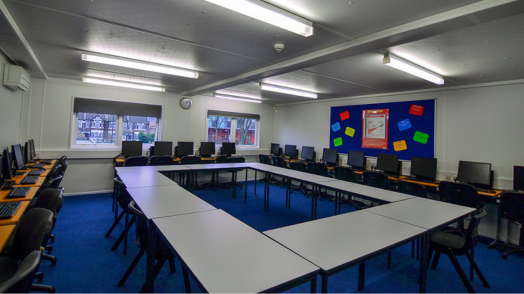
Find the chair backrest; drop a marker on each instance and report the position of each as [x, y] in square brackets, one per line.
[376, 179]
[54, 182]
[63, 158]
[345, 173]
[235, 159]
[458, 193]
[122, 196]
[264, 159]
[31, 231]
[297, 166]
[62, 169]
[472, 231]
[161, 160]
[512, 206]
[136, 161]
[190, 160]
[278, 161]
[55, 171]
[317, 168]
[22, 279]
[412, 189]
[51, 199]
[221, 159]
[141, 228]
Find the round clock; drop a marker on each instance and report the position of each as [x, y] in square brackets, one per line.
[186, 103]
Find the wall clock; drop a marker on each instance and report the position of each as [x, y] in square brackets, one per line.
[186, 103]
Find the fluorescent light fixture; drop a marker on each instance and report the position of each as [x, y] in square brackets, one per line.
[122, 84]
[269, 14]
[238, 94]
[141, 65]
[413, 69]
[123, 78]
[289, 91]
[222, 96]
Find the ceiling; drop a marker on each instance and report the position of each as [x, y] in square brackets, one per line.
[466, 41]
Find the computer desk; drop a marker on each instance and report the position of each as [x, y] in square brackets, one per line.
[18, 214]
[5, 233]
[435, 184]
[28, 197]
[17, 180]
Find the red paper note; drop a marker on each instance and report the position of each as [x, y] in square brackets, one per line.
[416, 110]
[344, 115]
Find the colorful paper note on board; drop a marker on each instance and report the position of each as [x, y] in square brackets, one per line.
[337, 142]
[335, 127]
[344, 115]
[350, 132]
[420, 137]
[400, 145]
[416, 109]
[404, 125]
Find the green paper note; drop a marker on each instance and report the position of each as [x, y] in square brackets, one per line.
[420, 137]
[337, 142]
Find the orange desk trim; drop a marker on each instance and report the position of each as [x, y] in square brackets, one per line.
[5, 233]
[28, 197]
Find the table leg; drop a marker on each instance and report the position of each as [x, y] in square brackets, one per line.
[361, 276]
[423, 262]
[245, 186]
[313, 288]
[255, 183]
[288, 194]
[235, 184]
[324, 283]
[149, 286]
[186, 279]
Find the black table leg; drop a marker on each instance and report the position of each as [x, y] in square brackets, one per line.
[245, 185]
[361, 276]
[423, 262]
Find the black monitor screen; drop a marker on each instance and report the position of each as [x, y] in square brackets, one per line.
[17, 156]
[33, 151]
[1, 173]
[228, 148]
[163, 148]
[131, 148]
[357, 159]
[474, 172]
[275, 149]
[307, 153]
[387, 163]
[424, 167]
[6, 165]
[290, 151]
[329, 156]
[518, 178]
[184, 149]
[207, 148]
[27, 152]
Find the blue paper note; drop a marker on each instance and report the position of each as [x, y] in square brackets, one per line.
[404, 125]
[335, 127]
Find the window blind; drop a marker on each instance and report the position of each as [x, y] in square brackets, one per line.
[116, 107]
[233, 114]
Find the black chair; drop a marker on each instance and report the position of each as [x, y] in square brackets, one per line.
[346, 173]
[136, 161]
[511, 207]
[22, 279]
[412, 189]
[318, 169]
[161, 160]
[455, 243]
[278, 161]
[190, 160]
[162, 254]
[376, 179]
[234, 172]
[300, 167]
[263, 158]
[122, 198]
[459, 193]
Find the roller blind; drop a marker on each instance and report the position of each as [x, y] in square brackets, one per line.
[116, 107]
[233, 114]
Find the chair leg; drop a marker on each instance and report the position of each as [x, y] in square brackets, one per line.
[43, 288]
[131, 267]
[477, 269]
[172, 265]
[123, 235]
[435, 260]
[461, 272]
[115, 223]
[52, 238]
[40, 277]
[50, 258]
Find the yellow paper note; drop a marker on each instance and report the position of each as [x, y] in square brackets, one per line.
[400, 145]
[350, 132]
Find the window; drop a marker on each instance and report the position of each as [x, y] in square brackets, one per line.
[99, 123]
[240, 128]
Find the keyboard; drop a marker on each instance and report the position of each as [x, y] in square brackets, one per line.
[46, 161]
[419, 180]
[36, 172]
[29, 180]
[486, 191]
[38, 165]
[8, 209]
[18, 192]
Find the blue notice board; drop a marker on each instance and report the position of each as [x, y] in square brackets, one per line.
[410, 128]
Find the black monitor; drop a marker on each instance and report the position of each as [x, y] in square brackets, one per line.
[18, 157]
[357, 160]
[290, 151]
[163, 148]
[275, 149]
[228, 148]
[28, 155]
[424, 168]
[207, 149]
[33, 151]
[518, 178]
[7, 173]
[131, 148]
[475, 173]
[329, 156]
[388, 163]
[184, 149]
[308, 153]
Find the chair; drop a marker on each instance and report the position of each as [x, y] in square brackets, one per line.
[346, 173]
[21, 280]
[234, 172]
[161, 160]
[376, 179]
[136, 161]
[278, 161]
[459, 193]
[264, 159]
[190, 160]
[122, 198]
[511, 207]
[300, 167]
[455, 244]
[141, 239]
[412, 189]
[318, 169]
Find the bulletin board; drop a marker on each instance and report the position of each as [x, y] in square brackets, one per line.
[403, 128]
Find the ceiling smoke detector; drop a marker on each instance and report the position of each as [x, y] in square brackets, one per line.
[279, 47]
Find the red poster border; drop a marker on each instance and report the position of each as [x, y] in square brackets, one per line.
[375, 143]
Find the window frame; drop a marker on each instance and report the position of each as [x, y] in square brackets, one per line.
[232, 136]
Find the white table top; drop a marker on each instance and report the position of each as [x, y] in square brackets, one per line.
[302, 176]
[162, 201]
[215, 166]
[144, 178]
[264, 167]
[367, 191]
[228, 256]
[422, 212]
[343, 239]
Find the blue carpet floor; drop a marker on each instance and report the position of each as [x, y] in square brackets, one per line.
[86, 264]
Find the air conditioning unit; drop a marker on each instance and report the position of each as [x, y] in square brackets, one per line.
[16, 78]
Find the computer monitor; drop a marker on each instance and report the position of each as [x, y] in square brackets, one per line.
[184, 149]
[290, 151]
[275, 149]
[518, 178]
[357, 160]
[424, 168]
[475, 173]
[163, 148]
[28, 155]
[131, 148]
[228, 148]
[207, 149]
[7, 173]
[33, 151]
[329, 156]
[308, 153]
[388, 163]
[18, 157]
